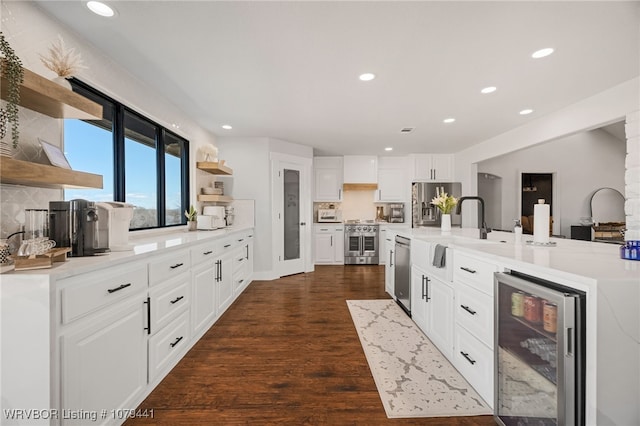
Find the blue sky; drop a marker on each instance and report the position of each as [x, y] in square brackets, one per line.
[89, 149]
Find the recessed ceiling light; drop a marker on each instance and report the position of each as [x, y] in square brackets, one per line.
[388, 148]
[448, 120]
[226, 127]
[542, 53]
[100, 8]
[489, 89]
[526, 111]
[367, 76]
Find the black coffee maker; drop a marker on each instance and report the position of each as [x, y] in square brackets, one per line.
[75, 224]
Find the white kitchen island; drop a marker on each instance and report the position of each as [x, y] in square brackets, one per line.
[612, 287]
[85, 341]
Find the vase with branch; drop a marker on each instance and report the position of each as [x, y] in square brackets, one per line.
[65, 62]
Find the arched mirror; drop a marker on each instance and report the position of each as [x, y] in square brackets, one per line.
[607, 205]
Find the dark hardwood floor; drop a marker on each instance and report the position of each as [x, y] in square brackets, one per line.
[286, 352]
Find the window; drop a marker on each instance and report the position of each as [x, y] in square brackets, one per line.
[141, 162]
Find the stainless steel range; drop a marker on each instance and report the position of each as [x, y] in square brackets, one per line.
[361, 243]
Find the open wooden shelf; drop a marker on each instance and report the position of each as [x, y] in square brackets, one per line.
[18, 172]
[214, 167]
[215, 198]
[46, 97]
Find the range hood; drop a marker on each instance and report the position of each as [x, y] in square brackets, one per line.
[360, 173]
[359, 186]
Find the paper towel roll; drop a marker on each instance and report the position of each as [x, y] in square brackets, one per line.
[541, 223]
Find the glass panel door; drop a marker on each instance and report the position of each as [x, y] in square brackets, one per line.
[291, 211]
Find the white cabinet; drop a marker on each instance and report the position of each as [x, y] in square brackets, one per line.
[242, 270]
[329, 244]
[327, 178]
[440, 320]
[104, 360]
[393, 182]
[388, 253]
[432, 309]
[475, 361]
[167, 345]
[474, 321]
[433, 167]
[101, 340]
[418, 298]
[360, 169]
[223, 274]
[204, 303]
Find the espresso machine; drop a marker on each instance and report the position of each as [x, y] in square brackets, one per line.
[75, 224]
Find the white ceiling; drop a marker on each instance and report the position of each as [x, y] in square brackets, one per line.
[289, 70]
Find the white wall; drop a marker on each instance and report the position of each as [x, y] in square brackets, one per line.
[30, 33]
[604, 108]
[582, 163]
[250, 160]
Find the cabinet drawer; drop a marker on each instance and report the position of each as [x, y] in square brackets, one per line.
[168, 266]
[325, 229]
[86, 293]
[168, 299]
[474, 311]
[168, 344]
[475, 361]
[239, 282]
[239, 259]
[474, 272]
[203, 253]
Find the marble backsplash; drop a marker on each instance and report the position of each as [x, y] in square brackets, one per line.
[14, 199]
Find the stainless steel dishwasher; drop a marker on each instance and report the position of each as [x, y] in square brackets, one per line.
[403, 273]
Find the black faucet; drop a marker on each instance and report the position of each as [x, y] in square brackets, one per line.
[483, 225]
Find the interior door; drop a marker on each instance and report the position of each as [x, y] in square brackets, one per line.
[291, 213]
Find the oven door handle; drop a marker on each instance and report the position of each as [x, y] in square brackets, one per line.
[361, 245]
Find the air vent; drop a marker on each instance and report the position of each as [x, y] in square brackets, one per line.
[407, 129]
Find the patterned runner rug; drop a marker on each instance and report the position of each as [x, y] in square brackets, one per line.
[413, 378]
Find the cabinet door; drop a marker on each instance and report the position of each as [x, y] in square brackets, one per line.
[224, 282]
[392, 185]
[203, 304]
[389, 267]
[442, 165]
[104, 365]
[360, 169]
[422, 169]
[324, 252]
[433, 167]
[382, 248]
[338, 245]
[440, 321]
[419, 298]
[328, 185]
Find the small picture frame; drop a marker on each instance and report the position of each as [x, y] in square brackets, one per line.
[55, 155]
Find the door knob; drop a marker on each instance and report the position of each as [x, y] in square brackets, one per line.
[302, 223]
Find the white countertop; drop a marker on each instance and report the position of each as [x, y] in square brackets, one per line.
[143, 246]
[571, 259]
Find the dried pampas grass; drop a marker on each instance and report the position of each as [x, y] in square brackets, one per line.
[64, 62]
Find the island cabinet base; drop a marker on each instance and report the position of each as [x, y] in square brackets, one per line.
[86, 345]
[611, 288]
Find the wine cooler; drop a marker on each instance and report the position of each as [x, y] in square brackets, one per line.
[539, 352]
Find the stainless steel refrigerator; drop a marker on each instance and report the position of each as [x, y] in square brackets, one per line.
[539, 352]
[426, 214]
